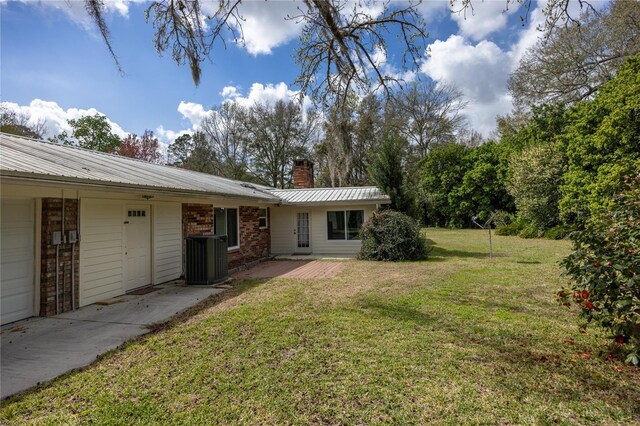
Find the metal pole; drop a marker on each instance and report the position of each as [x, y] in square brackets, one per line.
[490, 244]
[57, 278]
[73, 280]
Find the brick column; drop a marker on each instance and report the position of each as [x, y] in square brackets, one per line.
[51, 222]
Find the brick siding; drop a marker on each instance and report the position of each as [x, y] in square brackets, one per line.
[51, 222]
[197, 219]
[255, 243]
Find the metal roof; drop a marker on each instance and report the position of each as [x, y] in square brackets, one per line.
[44, 161]
[361, 194]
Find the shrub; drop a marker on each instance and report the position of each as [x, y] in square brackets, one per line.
[605, 270]
[559, 232]
[530, 231]
[391, 235]
[513, 228]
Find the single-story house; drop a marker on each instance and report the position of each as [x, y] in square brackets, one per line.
[79, 226]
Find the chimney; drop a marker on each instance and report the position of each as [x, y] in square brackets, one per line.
[302, 174]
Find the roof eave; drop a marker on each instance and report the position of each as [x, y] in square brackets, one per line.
[24, 176]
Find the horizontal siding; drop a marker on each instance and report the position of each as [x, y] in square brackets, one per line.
[101, 233]
[167, 246]
[283, 222]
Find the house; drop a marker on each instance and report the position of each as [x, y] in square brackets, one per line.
[79, 226]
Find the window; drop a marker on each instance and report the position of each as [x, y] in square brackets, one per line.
[136, 213]
[262, 218]
[225, 222]
[344, 225]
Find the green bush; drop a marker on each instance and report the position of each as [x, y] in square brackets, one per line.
[393, 236]
[559, 232]
[605, 270]
[530, 231]
[513, 228]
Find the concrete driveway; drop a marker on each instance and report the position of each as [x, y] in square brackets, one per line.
[37, 349]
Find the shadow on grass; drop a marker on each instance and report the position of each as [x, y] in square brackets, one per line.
[239, 287]
[396, 310]
[511, 351]
[439, 254]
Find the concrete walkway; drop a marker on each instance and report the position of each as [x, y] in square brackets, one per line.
[37, 349]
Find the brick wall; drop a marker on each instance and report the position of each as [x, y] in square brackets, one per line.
[255, 243]
[197, 219]
[302, 174]
[52, 221]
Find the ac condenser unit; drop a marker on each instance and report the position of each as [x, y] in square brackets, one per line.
[206, 260]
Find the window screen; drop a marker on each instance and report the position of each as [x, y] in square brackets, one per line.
[262, 218]
[232, 228]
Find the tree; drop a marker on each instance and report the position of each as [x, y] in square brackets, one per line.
[145, 147]
[180, 149]
[90, 132]
[441, 171]
[574, 62]
[338, 47]
[224, 133]
[386, 171]
[20, 124]
[277, 134]
[432, 114]
[201, 158]
[536, 175]
[602, 144]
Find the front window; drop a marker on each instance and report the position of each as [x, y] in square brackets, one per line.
[262, 218]
[344, 225]
[225, 222]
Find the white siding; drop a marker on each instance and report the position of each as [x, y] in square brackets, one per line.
[167, 246]
[16, 260]
[101, 250]
[283, 223]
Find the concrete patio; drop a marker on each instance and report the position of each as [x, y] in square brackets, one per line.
[39, 349]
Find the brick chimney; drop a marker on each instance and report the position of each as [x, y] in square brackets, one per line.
[302, 174]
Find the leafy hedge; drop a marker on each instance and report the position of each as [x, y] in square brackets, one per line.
[391, 236]
[605, 271]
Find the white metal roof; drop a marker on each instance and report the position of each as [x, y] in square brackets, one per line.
[43, 161]
[310, 196]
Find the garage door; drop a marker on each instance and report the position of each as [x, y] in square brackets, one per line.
[101, 250]
[17, 257]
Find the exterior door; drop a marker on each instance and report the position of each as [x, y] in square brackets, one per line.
[137, 247]
[16, 260]
[302, 233]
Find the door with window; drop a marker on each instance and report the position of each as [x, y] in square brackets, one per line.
[137, 250]
[302, 233]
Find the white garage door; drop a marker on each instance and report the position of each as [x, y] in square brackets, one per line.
[101, 250]
[16, 264]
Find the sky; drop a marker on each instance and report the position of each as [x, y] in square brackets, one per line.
[55, 66]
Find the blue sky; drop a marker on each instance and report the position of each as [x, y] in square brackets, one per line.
[55, 66]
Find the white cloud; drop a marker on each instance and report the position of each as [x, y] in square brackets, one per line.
[481, 70]
[76, 11]
[485, 18]
[193, 112]
[55, 116]
[432, 9]
[229, 92]
[265, 26]
[266, 94]
[168, 136]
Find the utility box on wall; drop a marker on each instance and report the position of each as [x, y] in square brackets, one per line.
[206, 260]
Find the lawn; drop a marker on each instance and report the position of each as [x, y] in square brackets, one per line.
[453, 340]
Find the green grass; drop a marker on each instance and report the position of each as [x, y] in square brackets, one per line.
[453, 340]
